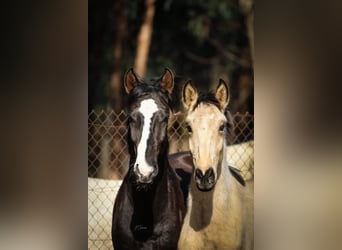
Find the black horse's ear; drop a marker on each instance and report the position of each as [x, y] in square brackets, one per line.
[167, 81]
[130, 80]
[222, 94]
[189, 95]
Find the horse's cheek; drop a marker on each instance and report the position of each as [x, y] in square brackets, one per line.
[191, 148]
[219, 150]
[219, 147]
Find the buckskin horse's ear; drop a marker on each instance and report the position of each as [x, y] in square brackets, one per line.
[222, 94]
[167, 81]
[189, 95]
[130, 80]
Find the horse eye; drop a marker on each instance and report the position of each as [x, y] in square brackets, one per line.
[188, 128]
[221, 128]
[166, 120]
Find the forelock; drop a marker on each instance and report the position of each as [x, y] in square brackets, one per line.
[208, 98]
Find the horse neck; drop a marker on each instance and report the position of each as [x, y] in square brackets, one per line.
[163, 159]
[144, 200]
[205, 208]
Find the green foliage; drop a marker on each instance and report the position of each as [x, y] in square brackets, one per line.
[198, 25]
[181, 28]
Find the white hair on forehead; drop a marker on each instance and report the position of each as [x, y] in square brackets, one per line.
[147, 109]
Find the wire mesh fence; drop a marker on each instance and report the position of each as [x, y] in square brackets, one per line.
[108, 161]
[107, 149]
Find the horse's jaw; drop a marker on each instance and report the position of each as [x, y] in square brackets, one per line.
[143, 186]
[205, 188]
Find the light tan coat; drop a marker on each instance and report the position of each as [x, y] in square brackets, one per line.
[221, 217]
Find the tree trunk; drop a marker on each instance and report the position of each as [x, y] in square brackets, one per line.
[250, 31]
[247, 8]
[115, 99]
[144, 39]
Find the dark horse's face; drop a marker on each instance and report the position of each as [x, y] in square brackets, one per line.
[148, 119]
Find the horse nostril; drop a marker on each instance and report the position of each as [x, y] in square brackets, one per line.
[209, 173]
[198, 174]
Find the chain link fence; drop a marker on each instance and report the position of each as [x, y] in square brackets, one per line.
[108, 161]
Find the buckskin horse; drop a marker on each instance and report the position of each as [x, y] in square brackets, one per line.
[149, 208]
[220, 202]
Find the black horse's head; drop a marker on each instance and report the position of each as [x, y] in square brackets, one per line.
[147, 124]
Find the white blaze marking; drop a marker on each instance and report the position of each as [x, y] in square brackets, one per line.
[147, 109]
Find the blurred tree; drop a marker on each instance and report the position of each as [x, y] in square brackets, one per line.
[247, 8]
[197, 39]
[115, 87]
[144, 39]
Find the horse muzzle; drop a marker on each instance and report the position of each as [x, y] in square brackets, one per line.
[145, 177]
[206, 181]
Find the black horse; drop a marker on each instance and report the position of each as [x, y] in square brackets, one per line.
[149, 207]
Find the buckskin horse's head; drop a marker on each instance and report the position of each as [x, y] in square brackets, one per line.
[206, 124]
[147, 124]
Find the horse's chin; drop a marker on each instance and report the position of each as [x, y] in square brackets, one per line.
[140, 186]
[205, 187]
